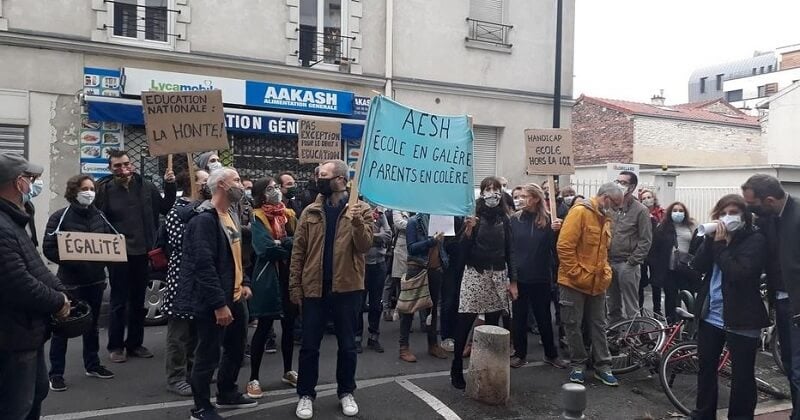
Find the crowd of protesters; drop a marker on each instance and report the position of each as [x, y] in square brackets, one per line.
[245, 253]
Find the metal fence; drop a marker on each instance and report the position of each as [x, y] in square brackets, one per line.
[698, 200]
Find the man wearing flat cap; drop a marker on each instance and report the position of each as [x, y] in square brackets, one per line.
[29, 297]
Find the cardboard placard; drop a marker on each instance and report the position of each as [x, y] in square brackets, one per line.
[82, 246]
[318, 141]
[182, 122]
[549, 152]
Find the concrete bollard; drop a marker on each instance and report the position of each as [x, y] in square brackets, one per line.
[573, 401]
[489, 379]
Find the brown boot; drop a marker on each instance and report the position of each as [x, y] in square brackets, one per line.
[406, 355]
[437, 351]
[467, 351]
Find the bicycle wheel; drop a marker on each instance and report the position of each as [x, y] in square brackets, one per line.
[677, 373]
[775, 349]
[632, 342]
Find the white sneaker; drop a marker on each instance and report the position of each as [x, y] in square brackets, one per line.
[448, 345]
[349, 406]
[305, 408]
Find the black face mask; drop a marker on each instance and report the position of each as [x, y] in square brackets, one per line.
[324, 186]
[290, 192]
[205, 192]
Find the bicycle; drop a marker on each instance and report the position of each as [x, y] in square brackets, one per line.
[678, 376]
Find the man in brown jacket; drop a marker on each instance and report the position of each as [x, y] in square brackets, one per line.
[327, 280]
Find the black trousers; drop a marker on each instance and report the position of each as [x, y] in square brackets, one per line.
[128, 284]
[464, 326]
[645, 280]
[536, 296]
[743, 399]
[23, 384]
[211, 339]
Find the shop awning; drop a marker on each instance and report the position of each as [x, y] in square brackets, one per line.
[129, 111]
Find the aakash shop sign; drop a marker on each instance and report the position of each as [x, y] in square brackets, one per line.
[296, 98]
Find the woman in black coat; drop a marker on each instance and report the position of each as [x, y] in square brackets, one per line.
[729, 308]
[83, 280]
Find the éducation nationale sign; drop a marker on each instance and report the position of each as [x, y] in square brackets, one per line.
[297, 98]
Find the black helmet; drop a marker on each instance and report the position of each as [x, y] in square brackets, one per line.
[78, 322]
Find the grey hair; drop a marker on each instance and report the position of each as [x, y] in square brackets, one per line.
[215, 177]
[611, 189]
[340, 168]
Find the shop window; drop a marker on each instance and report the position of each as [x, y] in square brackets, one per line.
[323, 32]
[14, 139]
[142, 21]
[487, 22]
[485, 149]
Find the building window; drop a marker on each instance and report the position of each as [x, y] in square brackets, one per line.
[703, 84]
[322, 25]
[755, 71]
[485, 149]
[148, 21]
[767, 90]
[487, 22]
[734, 95]
[719, 82]
[769, 68]
[14, 139]
[761, 70]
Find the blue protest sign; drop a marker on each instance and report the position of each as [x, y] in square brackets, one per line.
[417, 161]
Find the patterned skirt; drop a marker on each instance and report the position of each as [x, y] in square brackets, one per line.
[484, 293]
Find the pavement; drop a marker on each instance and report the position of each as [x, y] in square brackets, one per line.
[387, 389]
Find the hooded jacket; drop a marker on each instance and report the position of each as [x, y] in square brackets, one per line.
[207, 273]
[583, 244]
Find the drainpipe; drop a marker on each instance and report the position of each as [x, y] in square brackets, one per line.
[389, 48]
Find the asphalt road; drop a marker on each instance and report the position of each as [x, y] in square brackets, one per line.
[388, 388]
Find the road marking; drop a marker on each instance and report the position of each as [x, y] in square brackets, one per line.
[436, 404]
[324, 390]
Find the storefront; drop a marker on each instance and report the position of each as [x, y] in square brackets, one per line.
[261, 119]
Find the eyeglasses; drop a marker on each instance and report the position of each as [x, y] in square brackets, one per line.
[271, 188]
[623, 183]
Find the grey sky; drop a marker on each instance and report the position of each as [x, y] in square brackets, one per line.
[629, 49]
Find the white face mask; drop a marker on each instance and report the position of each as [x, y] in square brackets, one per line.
[733, 222]
[517, 203]
[213, 166]
[569, 199]
[491, 199]
[649, 202]
[85, 198]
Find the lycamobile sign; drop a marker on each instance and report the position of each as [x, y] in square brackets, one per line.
[175, 87]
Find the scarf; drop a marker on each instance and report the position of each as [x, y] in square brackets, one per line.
[276, 215]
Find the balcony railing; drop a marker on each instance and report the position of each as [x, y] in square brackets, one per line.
[489, 32]
[329, 47]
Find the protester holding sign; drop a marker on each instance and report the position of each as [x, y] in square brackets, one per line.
[327, 280]
[132, 205]
[485, 288]
[83, 280]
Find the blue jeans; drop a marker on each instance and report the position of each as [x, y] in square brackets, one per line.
[789, 335]
[375, 278]
[92, 295]
[23, 384]
[345, 309]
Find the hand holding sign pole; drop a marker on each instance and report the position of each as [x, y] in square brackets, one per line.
[549, 152]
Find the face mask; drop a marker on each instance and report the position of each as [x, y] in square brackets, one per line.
[733, 222]
[248, 193]
[492, 200]
[85, 198]
[36, 188]
[678, 216]
[273, 197]
[26, 195]
[205, 192]
[213, 166]
[649, 202]
[757, 210]
[235, 194]
[290, 191]
[324, 186]
[568, 200]
[517, 203]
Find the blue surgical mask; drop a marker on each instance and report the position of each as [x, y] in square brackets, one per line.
[678, 216]
[36, 188]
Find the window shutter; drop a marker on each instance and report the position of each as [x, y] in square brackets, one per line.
[487, 10]
[484, 152]
[13, 139]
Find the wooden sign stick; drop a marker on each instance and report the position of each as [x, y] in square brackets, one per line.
[169, 162]
[551, 185]
[192, 183]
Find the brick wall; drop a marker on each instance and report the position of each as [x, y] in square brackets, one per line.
[659, 141]
[601, 135]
